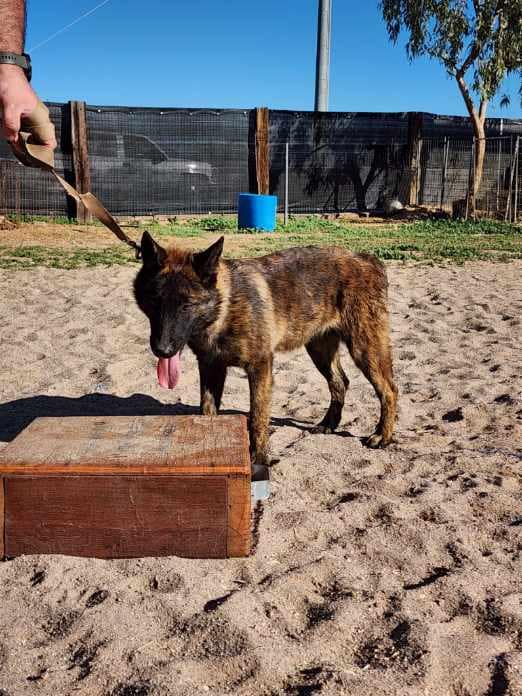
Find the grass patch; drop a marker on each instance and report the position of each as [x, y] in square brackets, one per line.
[420, 241]
[425, 241]
[31, 256]
[51, 220]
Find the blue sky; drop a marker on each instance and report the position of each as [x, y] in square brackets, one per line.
[231, 54]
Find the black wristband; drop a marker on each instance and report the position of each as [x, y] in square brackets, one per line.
[23, 61]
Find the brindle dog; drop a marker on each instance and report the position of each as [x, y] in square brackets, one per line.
[240, 312]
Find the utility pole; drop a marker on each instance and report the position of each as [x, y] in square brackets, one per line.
[322, 65]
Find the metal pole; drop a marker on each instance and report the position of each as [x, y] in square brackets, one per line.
[515, 204]
[444, 170]
[474, 179]
[322, 64]
[470, 178]
[498, 161]
[419, 172]
[286, 183]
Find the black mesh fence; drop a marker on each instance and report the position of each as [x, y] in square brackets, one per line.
[152, 161]
[337, 161]
[148, 161]
[340, 177]
[30, 191]
[358, 161]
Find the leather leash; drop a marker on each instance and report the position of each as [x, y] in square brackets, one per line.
[38, 156]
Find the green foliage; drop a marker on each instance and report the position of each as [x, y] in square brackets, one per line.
[483, 35]
[32, 256]
[58, 220]
[216, 223]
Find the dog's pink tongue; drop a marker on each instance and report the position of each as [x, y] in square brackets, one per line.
[169, 370]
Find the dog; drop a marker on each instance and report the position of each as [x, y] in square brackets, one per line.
[240, 312]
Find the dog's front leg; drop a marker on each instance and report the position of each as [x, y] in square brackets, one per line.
[260, 382]
[212, 375]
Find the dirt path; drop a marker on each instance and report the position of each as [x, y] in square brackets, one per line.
[376, 572]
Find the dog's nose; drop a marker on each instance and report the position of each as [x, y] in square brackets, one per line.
[162, 349]
[163, 353]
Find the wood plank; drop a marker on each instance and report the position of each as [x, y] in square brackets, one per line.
[239, 513]
[415, 123]
[151, 445]
[2, 519]
[129, 517]
[252, 173]
[80, 152]
[262, 151]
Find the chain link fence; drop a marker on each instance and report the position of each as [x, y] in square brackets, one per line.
[446, 176]
[360, 176]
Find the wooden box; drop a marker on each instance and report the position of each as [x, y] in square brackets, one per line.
[123, 487]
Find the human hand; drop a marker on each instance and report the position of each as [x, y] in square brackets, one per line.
[18, 101]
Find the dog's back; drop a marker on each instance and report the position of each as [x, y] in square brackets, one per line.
[288, 297]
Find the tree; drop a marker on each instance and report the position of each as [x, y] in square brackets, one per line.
[479, 43]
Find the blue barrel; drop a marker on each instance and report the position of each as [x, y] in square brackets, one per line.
[256, 211]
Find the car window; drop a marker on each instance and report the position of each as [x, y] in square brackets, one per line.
[140, 147]
[103, 144]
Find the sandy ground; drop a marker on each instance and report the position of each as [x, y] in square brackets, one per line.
[376, 572]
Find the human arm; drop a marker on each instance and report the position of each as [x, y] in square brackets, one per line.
[17, 98]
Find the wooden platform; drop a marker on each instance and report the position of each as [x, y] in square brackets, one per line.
[123, 487]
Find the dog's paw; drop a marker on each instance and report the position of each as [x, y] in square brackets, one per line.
[377, 440]
[321, 429]
[260, 464]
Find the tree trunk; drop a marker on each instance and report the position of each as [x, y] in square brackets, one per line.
[478, 164]
[478, 119]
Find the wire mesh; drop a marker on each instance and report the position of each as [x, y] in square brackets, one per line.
[151, 161]
[148, 161]
[340, 177]
[337, 161]
[446, 174]
[333, 177]
[26, 191]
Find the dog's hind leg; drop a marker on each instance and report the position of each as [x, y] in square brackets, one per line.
[212, 375]
[324, 351]
[370, 349]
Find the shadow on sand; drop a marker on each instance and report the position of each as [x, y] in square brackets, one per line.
[18, 414]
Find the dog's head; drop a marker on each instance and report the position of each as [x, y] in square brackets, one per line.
[176, 290]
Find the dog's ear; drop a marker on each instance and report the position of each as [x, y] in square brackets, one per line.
[153, 255]
[205, 263]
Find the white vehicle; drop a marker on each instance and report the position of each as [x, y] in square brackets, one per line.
[109, 150]
[129, 173]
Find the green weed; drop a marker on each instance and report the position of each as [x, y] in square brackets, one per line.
[425, 241]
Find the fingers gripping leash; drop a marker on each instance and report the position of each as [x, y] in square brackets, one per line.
[38, 128]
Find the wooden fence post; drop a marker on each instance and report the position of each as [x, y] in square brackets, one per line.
[414, 139]
[80, 154]
[262, 158]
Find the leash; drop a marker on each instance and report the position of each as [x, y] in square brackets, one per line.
[38, 156]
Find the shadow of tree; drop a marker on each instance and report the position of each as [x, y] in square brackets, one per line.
[333, 167]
